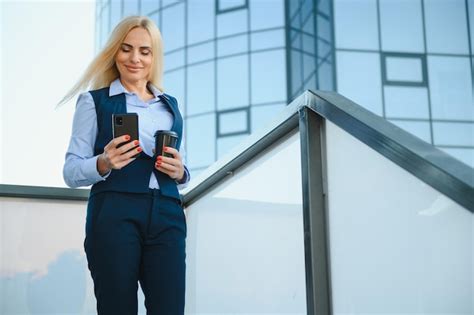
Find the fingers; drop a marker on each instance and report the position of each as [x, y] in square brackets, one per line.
[121, 139]
[173, 151]
[132, 153]
[117, 158]
[128, 146]
[171, 166]
[170, 170]
[118, 140]
[168, 160]
[168, 167]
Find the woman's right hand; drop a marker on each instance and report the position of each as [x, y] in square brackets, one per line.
[116, 158]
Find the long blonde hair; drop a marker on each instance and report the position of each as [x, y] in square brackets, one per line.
[102, 70]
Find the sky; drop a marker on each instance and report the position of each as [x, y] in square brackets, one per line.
[45, 47]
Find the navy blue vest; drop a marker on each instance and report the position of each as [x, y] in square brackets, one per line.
[134, 177]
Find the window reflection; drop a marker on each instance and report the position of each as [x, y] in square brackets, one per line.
[358, 75]
[232, 45]
[231, 23]
[232, 78]
[200, 88]
[356, 26]
[402, 36]
[268, 76]
[266, 14]
[200, 13]
[172, 28]
[451, 87]
[406, 102]
[201, 132]
[446, 27]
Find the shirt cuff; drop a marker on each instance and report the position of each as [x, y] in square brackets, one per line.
[185, 178]
[89, 170]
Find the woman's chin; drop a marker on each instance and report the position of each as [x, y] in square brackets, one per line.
[132, 77]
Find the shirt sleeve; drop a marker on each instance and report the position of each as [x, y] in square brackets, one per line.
[187, 176]
[80, 167]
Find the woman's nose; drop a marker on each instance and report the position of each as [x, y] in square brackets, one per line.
[135, 57]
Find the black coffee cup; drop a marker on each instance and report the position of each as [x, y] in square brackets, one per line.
[165, 138]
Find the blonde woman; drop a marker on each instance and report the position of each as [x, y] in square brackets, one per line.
[135, 226]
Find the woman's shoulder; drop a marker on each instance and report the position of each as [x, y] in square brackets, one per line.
[84, 101]
[84, 97]
[90, 97]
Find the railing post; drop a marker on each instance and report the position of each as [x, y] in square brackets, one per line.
[318, 291]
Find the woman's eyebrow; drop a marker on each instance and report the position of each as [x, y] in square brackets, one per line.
[142, 47]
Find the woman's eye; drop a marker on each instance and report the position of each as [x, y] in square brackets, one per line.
[125, 50]
[145, 53]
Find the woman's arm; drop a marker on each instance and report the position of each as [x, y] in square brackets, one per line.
[80, 167]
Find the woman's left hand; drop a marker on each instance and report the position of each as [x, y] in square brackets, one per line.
[172, 166]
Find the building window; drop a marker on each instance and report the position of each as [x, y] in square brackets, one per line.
[404, 69]
[233, 122]
[224, 6]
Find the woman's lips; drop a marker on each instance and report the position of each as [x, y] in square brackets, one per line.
[133, 69]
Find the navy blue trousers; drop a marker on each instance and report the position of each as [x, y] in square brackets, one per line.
[133, 238]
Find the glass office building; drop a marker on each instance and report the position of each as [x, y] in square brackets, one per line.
[233, 64]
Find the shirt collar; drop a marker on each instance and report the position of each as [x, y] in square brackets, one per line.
[116, 88]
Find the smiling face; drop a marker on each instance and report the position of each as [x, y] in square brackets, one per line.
[134, 58]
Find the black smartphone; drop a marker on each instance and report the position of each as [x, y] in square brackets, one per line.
[125, 124]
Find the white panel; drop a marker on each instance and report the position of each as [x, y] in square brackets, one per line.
[245, 251]
[43, 57]
[43, 267]
[1, 97]
[397, 245]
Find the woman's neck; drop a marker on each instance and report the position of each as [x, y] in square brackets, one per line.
[138, 87]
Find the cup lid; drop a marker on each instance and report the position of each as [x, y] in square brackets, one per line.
[166, 132]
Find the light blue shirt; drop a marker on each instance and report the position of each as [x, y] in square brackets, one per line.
[80, 167]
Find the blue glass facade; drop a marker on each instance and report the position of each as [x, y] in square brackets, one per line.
[411, 62]
[231, 64]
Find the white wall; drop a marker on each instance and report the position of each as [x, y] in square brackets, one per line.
[1, 95]
[43, 267]
[45, 48]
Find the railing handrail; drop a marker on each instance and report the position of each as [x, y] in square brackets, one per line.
[431, 165]
[428, 163]
[428, 152]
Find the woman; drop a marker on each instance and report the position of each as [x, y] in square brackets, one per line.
[135, 226]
